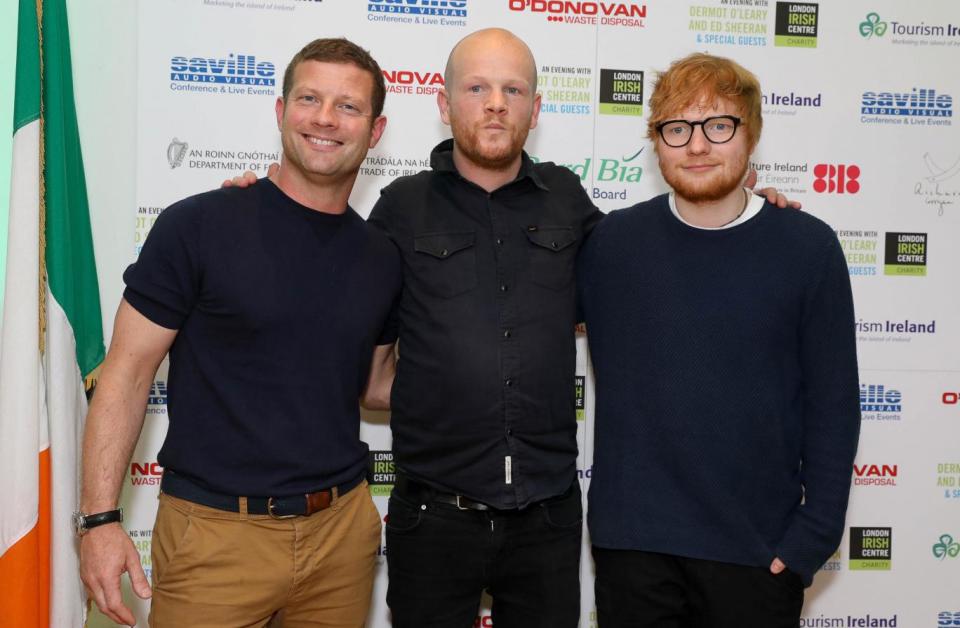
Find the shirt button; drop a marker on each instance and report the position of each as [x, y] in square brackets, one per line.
[509, 432]
[508, 382]
[499, 241]
[444, 252]
[507, 333]
[503, 287]
[553, 244]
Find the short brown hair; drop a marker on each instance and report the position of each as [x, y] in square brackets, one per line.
[704, 76]
[339, 50]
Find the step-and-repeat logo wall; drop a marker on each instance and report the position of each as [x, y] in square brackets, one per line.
[858, 107]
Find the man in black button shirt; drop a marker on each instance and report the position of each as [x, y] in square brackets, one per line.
[484, 427]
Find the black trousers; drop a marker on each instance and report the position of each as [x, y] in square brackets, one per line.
[648, 590]
[440, 559]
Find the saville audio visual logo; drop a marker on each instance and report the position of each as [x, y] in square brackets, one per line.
[158, 393]
[836, 178]
[878, 403]
[905, 254]
[233, 74]
[871, 549]
[946, 547]
[875, 474]
[946, 619]
[921, 106]
[591, 13]
[425, 83]
[621, 92]
[796, 24]
[145, 473]
[157, 399]
[382, 473]
[422, 12]
[872, 26]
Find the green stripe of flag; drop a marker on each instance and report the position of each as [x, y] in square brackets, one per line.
[71, 269]
[26, 104]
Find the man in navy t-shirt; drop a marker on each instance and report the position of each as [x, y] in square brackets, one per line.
[721, 330]
[274, 304]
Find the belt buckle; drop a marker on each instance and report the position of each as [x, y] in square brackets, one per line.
[274, 516]
[459, 507]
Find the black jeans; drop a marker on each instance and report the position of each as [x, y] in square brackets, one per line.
[440, 559]
[648, 590]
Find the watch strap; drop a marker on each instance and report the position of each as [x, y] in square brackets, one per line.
[86, 522]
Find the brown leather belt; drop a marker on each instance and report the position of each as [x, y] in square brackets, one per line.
[277, 507]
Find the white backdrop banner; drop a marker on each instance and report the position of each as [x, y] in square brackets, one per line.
[859, 126]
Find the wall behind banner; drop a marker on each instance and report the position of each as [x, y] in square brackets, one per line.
[174, 96]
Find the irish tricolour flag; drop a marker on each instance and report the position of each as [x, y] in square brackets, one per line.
[51, 334]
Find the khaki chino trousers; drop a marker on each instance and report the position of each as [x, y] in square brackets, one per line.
[217, 568]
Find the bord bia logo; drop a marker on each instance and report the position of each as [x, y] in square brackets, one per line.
[950, 398]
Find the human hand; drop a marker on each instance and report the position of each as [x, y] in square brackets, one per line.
[105, 553]
[248, 178]
[771, 194]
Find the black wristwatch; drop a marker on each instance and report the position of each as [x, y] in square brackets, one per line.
[83, 522]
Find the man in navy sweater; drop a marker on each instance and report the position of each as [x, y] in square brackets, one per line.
[722, 335]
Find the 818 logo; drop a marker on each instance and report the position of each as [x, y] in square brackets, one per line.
[836, 178]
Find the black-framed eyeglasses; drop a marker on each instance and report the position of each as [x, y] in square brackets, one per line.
[717, 130]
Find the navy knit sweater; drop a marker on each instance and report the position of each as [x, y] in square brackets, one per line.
[727, 410]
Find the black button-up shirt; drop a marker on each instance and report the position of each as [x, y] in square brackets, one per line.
[483, 402]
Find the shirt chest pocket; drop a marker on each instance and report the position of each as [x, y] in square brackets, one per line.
[552, 253]
[446, 262]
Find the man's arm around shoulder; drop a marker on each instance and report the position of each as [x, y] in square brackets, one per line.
[112, 429]
[383, 368]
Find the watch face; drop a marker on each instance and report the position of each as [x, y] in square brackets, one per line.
[78, 522]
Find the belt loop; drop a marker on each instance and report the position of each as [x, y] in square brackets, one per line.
[335, 496]
[242, 502]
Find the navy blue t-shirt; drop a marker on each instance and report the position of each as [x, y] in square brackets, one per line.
[278, 308]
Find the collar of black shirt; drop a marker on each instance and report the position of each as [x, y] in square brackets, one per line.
[441, 160]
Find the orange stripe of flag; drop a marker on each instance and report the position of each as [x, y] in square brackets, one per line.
[25, 567]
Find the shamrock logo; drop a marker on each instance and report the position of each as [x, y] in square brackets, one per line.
[872, 26]
[946, 547]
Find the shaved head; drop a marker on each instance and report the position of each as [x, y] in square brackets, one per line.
[480, 43]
